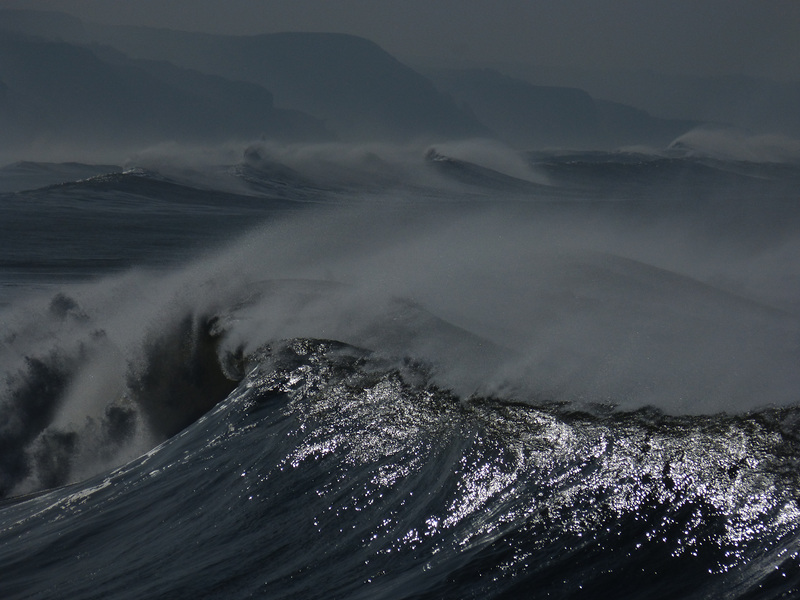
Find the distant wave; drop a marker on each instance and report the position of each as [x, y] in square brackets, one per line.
[728, 144]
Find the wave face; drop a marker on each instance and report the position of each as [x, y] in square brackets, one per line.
[448, 372]
[332, 472]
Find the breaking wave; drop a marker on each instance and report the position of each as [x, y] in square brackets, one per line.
[442, 374]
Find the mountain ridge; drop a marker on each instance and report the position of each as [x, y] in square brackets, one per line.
[159, 84]
[56, 92]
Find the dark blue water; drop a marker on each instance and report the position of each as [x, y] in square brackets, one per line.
[394, 379]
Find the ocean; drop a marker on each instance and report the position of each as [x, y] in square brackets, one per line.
[375, 371]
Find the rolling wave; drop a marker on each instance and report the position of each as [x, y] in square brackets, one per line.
[360, 372]
[332, 471]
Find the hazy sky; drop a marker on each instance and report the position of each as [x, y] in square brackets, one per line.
[686, 36]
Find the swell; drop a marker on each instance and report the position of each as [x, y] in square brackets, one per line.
[668, 174]
[332, 471]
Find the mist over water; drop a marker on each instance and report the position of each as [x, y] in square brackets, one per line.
[515, 313]
[541, 299]
[582, 313]
[738, 145]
